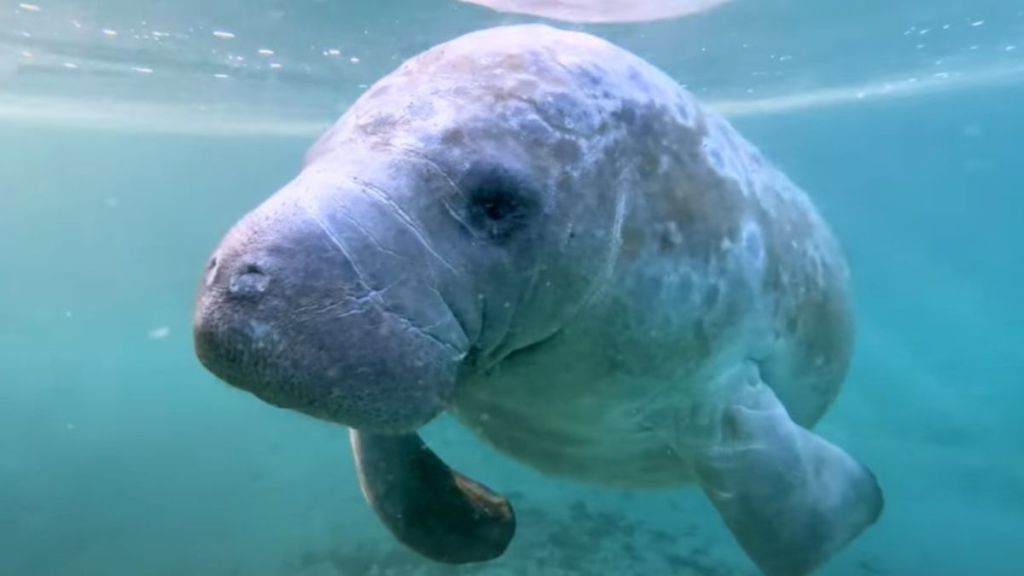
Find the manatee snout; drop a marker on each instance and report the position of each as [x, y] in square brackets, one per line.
[297, 308]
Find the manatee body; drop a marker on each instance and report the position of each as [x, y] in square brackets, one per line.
[547, 237]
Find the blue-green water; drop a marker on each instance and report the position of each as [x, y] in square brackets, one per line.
[119, 455]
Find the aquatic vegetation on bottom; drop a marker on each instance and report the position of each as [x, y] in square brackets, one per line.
[574, 541]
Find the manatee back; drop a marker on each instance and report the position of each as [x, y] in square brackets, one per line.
[716, 256]
[736, 259]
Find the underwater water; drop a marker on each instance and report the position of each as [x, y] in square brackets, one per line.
[120, 455]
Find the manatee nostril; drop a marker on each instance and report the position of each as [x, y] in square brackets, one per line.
[211, 270]
[250, 280]
[252, 269]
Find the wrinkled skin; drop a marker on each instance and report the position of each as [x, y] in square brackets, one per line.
[422, 238]
[546, 236]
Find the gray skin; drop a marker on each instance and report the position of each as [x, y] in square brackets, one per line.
[547, 237]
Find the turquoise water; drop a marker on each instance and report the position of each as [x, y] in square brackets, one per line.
[119, 455]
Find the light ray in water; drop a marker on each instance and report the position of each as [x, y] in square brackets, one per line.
[159, 118]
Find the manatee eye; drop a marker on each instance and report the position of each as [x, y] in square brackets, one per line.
[500, 204]
[496, 206]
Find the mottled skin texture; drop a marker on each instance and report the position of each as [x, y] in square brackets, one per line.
[678, 250]
[546, 236]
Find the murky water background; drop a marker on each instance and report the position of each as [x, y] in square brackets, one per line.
[120, 455]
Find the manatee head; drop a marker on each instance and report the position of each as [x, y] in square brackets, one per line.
[459, 212]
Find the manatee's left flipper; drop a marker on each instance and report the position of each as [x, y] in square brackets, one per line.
[429, 507]
[791, 498]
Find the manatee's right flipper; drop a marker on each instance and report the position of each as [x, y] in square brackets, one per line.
[789, 497]
[429, 507]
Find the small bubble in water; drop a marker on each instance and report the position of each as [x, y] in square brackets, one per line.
[223, 35]
[354, 60]
[109, 32]
[29, 7]
[159, 333]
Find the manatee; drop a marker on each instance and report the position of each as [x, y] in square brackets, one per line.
[546, 237]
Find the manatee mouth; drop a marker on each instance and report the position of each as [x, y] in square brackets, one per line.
[241, 358]
[362, 368]
[286, 315]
